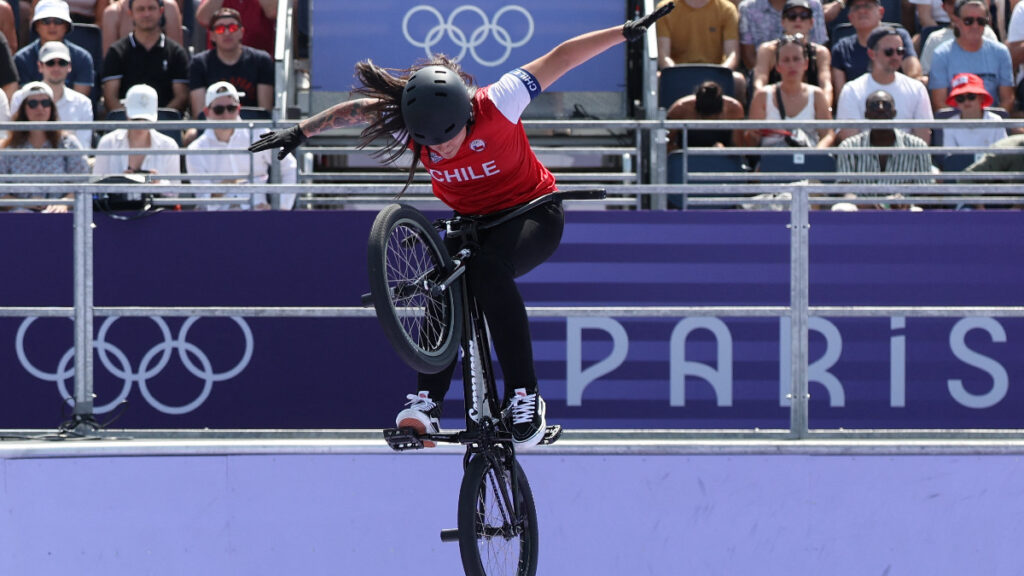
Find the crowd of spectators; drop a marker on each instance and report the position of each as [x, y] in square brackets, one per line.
[795, 69]
[789, 60]
[147, 68]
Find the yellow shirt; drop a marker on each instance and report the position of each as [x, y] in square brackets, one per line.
[697, 33]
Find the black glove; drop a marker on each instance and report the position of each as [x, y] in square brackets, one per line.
[635, 29]
[287, 140]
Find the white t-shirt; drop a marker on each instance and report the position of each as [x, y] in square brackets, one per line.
[909, 95]
[938, 14]
[236, 166]
[74, 106]
[1015, 33]
[974, 137]
[117, 163]
[5, 112]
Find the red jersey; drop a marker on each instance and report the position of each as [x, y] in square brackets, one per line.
[495, 168]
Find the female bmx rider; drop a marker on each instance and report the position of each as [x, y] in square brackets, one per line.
[473, 144]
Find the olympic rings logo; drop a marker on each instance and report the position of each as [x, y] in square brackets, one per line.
[115, 361]
[485, 30]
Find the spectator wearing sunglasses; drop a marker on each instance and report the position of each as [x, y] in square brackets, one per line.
[34, 103]
[258, 19]
[140, 104]
[910, 153]
[850, 58]
[146, 56]
[52, 23]
[222, 104]
[968, 95]
[971, 52]
[939, 37]
[765, 21]
[250, 70]
[796, 21]
[55, 66]
[886, 50]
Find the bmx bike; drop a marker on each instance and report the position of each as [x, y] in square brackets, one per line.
[429, 314]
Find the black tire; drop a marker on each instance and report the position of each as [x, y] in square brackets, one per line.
[405, 252]
[489, 543]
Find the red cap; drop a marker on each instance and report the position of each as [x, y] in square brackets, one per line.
[967, 83]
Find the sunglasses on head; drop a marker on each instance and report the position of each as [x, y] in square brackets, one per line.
[56, 62]
[798, 15]
[222, 29]
[33, 104]
[961, 98]
[899, 50]
[221, 109]
[970, 20]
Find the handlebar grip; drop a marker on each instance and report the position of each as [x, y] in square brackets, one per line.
[594, 194]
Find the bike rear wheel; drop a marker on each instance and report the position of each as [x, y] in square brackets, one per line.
[493, 542]
[405, 258]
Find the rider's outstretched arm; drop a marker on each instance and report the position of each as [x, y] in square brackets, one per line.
[572, 53]
[347, 113]
[577, 50]
[341, 115]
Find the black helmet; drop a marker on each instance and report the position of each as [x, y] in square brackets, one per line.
[435, 105]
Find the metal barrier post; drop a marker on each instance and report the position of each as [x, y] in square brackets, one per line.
[799, 295]
[659, 161]
[83, 279]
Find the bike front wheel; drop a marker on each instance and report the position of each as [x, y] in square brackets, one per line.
[406, 258]
[497, 525]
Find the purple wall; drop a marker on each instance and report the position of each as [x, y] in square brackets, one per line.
[334, 512]
[596, 373]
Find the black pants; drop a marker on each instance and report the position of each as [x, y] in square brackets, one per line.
[506, 252]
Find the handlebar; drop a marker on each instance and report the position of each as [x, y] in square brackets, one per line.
[486, 221]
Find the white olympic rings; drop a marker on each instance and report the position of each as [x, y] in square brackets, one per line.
[480, 35]
[147, 370]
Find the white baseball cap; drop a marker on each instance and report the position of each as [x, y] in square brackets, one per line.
[218, 89]
[27, 90]
[52, 50]
[52, 9]
[140, 103]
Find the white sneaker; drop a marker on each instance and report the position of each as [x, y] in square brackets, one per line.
[422, 415]
[528, 422]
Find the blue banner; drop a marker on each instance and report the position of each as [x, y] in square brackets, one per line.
[595, 372]
[487, 38]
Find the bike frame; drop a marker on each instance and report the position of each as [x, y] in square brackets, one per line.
[485, 435]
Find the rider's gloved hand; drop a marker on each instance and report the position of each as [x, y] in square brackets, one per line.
[287, 140]
[635, 29]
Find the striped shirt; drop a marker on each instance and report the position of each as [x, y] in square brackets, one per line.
[898, 161]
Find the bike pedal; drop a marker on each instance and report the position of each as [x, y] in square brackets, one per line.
[400, 439]
[552, 434]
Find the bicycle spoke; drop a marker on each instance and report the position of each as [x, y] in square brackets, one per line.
[497, 536]
[408, 268]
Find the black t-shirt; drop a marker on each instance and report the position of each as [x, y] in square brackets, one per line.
[8, 73]
[161, 67]
[254, 67]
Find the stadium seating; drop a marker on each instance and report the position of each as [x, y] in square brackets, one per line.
[681, 80]
[702, 164]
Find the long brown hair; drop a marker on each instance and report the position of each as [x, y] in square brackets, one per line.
[386, 86]
[17, 138]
